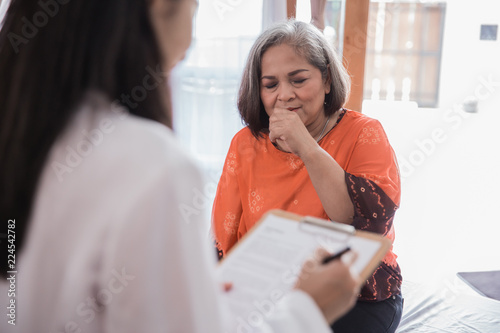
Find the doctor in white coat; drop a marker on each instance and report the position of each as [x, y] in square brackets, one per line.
[93, 181]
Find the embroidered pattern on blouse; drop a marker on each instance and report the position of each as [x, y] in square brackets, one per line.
[375, 178]
[255, 201]
[231, 163]
[230, 223]
[294, 162]
[369, 135]
[374, 211]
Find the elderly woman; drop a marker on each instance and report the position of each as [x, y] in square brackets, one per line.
[301, 151]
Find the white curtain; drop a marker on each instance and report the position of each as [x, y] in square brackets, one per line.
[205, 86]
[206, 83]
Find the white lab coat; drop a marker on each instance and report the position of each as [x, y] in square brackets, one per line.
[110, 246]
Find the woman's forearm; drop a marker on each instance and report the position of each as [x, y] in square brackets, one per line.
[328, 179]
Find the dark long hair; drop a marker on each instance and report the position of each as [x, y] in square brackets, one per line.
[51, 53]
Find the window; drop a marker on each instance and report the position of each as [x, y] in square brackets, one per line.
[205, 85]
[403, 56]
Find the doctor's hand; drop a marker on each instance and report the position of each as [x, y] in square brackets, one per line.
[332, 286]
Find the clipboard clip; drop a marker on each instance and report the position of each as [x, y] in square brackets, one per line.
[340, 227]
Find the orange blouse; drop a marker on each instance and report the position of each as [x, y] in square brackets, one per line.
[258, 177]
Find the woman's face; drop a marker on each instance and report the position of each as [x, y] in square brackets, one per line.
[172, 23]
[290, 82]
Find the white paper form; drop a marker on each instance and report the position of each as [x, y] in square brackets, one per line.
[265, 265]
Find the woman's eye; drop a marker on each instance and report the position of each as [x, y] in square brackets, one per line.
[270, 86]
[299, 81]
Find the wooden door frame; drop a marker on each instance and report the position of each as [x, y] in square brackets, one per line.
[354, 48]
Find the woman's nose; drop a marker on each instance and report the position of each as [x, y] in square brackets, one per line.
[285, 93]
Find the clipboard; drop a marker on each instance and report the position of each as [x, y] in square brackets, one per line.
[268, 259]
[345, 235]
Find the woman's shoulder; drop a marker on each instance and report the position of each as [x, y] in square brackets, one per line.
[243, 134]
[150, 143]
[352, 122]
[246, 137]
[144, 139]
[111, 140]
[358, 118]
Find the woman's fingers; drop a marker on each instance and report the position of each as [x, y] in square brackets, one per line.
[287, 129]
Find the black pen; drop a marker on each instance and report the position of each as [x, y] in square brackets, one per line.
[335, 256]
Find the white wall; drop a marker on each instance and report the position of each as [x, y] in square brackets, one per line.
[449, 159]
[469, 62]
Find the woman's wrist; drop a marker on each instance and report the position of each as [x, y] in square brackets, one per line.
[310, 153]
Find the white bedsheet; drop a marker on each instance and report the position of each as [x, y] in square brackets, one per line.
[448, 306]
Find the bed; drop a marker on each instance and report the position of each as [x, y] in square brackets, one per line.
[449, 305]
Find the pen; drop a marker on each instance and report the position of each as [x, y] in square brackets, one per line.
[335, 256]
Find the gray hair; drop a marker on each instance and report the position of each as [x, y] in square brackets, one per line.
[308, 42]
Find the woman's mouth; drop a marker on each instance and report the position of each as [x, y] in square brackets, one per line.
[292, 109]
